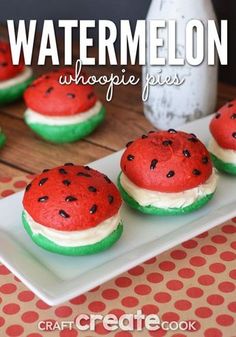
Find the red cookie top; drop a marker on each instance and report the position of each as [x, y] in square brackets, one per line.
[48, 97]
[71, 198]
[167, 161]
[7, 70]
[223, 126]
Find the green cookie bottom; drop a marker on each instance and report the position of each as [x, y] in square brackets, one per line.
[50, 246]
[2, 139]
[67, 133]
[15, 92]
[162, 211]
[223, 166]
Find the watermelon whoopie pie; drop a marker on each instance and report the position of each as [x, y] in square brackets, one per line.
[2, 138]
[222, 146]
[14, 79]
[167, 173]
[62, 113]
[72, 210]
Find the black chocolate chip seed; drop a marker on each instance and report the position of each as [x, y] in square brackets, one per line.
[234, 135]
[205, 160]
[49, 90]
[42, 181]
[43, 199]
[47, 77]
[144, 136]
[68, 164]
[170, 174]
[186, 153]
[62, 171]
[230, 105]
[87, 168]
[93, 209]
[151, 132]
[63, 214]
[196, 172]
[130, 157]
[108, 180]
[91, 95]
[82, 174]
[45, 170]
[218, 116]
[70, 95]
[110, 199]
[233, 116]
[193, 140]
[193, 135]
[70, 198]
[66, 182]
[92, 189]
[172, 131]
[153, 164]
[129, 143]
[3, 64]
[167, 142]
[28, 187]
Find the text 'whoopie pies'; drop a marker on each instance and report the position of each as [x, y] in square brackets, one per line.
[62, 113]
[2, 138]
[14, 79]
[222, 146]
[167, 173]
[72, 210]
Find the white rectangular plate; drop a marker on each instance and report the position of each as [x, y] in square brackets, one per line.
[56, 278]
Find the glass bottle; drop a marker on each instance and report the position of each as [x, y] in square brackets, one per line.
[170, 106]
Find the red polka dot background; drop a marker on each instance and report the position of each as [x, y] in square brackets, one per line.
[195, 281]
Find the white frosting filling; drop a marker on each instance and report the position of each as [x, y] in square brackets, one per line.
[168, 200]
[75, 238]
[226, 155]
[22, 77]
[34, 117]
